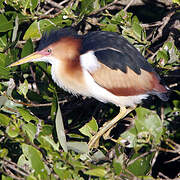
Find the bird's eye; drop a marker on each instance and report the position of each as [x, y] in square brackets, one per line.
[49, 50]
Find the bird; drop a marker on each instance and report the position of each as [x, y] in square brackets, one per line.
[99, 64]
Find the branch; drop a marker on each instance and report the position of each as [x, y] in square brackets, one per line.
[128, 5]
[104, 8]
[142, 155]
[13, 166]
[54, 4]
[165, 21]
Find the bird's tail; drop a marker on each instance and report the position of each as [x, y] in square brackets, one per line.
[162, 92]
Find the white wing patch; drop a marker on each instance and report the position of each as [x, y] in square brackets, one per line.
[89, 62]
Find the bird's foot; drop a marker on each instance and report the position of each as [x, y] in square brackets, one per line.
[107, 127]
[106, 135]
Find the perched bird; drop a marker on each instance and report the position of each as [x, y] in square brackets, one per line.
[100, 64]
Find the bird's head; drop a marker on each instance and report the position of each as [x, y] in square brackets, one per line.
[60, 45]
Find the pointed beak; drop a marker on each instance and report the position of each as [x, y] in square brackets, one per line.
[32, 57]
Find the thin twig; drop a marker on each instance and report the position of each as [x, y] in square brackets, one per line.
[168, 150]
[158, 23]
[172, 142]
[14, 167]
[165, 21]
[154, 158]
[161, 174]
[174, 159]
[49, 11]
[8, 173]
[32, 104]
[34, 79]
[142, 155]
[103, 8]
[38, 105]
[63, 2]
[49, 16]
[54, 4]
[128, 5]
[162, 114]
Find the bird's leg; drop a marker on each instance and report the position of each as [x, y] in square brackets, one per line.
[107, 127]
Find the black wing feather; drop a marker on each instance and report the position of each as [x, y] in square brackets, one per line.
[115, 51]
[106, 56]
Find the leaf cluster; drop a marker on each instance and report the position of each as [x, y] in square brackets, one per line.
[32, 139]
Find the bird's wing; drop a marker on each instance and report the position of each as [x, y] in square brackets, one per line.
[117, 66]
[114, 51]
[124, 84]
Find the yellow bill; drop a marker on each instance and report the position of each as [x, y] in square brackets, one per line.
[30, 58]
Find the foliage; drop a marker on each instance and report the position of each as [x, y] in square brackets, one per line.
[29, 145]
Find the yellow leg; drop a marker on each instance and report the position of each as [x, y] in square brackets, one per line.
[94, 141]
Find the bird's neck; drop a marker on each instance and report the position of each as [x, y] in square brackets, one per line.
[69, 76]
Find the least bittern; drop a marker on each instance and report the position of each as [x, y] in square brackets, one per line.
[100, 64]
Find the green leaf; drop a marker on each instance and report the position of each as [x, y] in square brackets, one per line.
[27, 49]
[141, 166]
[4, 120]
[23, 162]
[53, 108]
[3, 100]
[6, 178]
[10, 106]
[89, 128]
[77, 136]
[35, 159]
[110, 27]
[98, 155]
[131, 136]
[3, 42]
[23, 88]
[30, 130]
[3, 152]
[33, 31]
[118, 164]
[2, 58]
[12, 131]
[31, 177]
[79, 147]
[50, 141]
[61, 170]
[4, 73]
[32, 4]
[1, 5]
[176, 1]
[46, 25]
[46, 130]
[162, 54]
[149, 122]
[176, 103]
[137, 29]
[5, 25]
[99, 172]
[96, 5]
[27, 116]
[86, 7]
[59, 21]
[60, 129]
